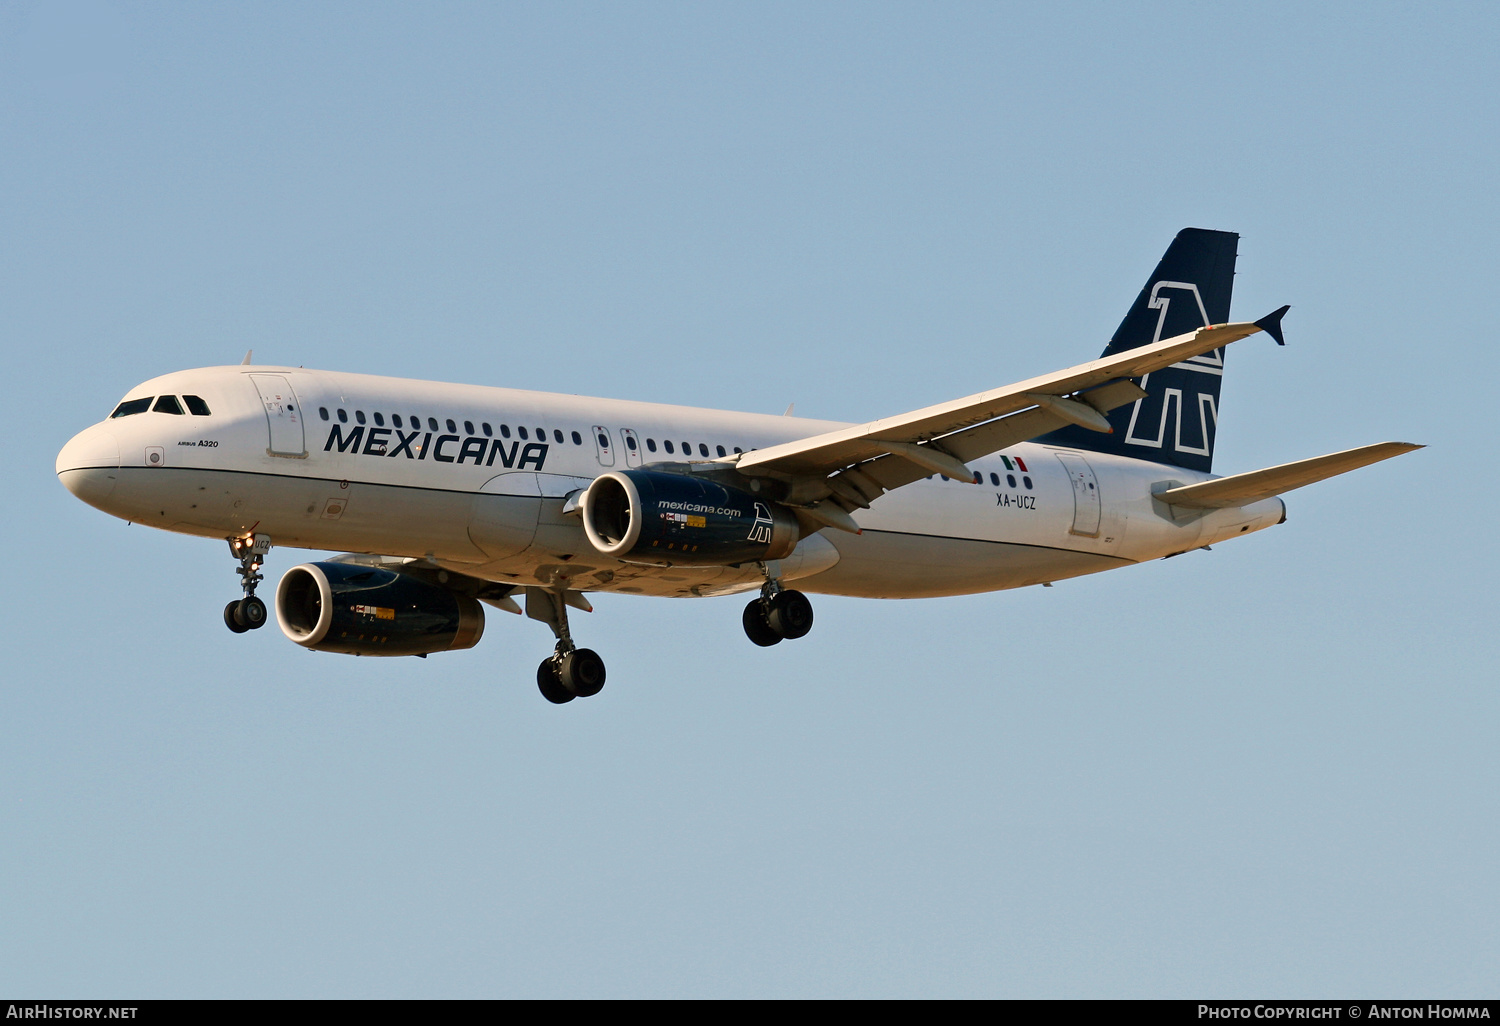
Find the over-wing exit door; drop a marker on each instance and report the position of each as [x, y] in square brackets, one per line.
[632, 447]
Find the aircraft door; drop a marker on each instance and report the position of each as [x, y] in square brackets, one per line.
[283, 415]
[1086, 502]
[603, 446]
[632, 447]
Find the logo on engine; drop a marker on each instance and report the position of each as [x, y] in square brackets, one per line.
[760, 531]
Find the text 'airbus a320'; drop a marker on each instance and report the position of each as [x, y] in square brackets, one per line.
[448, 497]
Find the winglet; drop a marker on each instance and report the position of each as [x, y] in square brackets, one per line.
[1271, 324]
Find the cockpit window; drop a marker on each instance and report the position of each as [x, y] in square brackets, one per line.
[130, 407]
[167, 404]
[196, 406]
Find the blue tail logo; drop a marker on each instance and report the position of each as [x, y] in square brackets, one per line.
[1177, 420]
[1157, 421]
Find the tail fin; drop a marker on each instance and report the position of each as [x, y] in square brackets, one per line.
[1177, 420]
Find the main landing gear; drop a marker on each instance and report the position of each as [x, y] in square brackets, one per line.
[779, 613]
[249, 613]
[570, 672]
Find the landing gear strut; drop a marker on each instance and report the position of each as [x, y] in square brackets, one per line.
[779, 614]
[570, 672]
[249, 613]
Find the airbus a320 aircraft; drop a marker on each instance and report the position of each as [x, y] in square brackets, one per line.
[449, 497]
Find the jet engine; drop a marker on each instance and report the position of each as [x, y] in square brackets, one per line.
[666, 519]
[363, 610]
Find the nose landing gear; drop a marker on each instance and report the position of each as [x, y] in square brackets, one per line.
[778, 615]
[249, 613]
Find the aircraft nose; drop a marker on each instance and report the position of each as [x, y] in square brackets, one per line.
[89, 464]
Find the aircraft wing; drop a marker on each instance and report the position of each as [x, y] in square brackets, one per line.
[869, 459]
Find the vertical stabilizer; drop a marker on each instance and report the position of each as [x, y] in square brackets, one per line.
[1177, 420]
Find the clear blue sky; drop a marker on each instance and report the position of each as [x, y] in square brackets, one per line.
[1266, 770]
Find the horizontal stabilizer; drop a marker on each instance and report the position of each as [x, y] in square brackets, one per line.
[1243, 489]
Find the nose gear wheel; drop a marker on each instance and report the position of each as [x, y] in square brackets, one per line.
[249, 613]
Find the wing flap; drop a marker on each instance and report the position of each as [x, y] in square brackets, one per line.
[1242, 489]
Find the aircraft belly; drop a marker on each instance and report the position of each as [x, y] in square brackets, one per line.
[298, 512]
[880, 564]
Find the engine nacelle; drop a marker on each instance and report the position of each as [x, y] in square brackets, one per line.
[651, 516]
[364, 610]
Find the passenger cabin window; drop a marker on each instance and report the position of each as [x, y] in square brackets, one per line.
[504, 430]
[522, 432]
[668, 444]
[131, 407]
[577, 438]
[343, 416]
[359, 415]
[630, 442]
[468, 427]
[323, 412]
[452, 426]
[197, 407]
[557, 436]
[432, 424]
[486, 427]
[651, 444]
[168, 404]
[721, 451]
[380, 420]
[702, 448]
[396, 419]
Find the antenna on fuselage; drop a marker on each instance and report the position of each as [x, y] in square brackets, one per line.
[246, 361]
[789, 408]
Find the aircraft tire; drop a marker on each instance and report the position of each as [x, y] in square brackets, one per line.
[550, 687]
[230, 619]
[251, 612]
[582, 672]
[790, 615]
[756, 627]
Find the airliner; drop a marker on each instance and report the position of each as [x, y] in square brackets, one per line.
[448, 498]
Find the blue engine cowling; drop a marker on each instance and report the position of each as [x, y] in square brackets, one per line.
[665, 519]
[364, 610]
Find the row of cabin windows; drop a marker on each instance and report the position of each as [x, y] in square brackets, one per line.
[198, 408]
[687, 447]
[164, 404]
[415, 422]
[521, 432]
[1010, 479]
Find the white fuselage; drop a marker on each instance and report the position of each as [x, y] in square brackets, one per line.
[316, 460]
